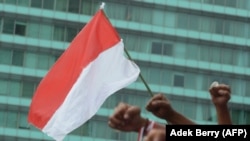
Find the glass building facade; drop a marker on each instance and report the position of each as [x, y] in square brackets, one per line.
[181, 47]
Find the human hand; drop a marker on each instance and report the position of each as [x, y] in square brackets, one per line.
[127, 118]
[160, 106]
[156, 135]
[220, 94]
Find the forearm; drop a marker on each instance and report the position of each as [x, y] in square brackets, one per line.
[177, 118]
[223, 114]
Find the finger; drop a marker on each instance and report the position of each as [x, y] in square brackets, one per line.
[116, 119]
[154, 98]
[223, 92]
[158, 104]
[115, 122]
[120, 110]
[112, 125]
[224, 87]
[215, 90]
[214, 84]
[161, 103]
[132, 112]
[158, 96]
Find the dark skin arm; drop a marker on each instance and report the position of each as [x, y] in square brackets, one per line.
[220, 95]
[160, 106]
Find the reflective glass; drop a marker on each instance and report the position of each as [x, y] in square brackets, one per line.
[17, 57]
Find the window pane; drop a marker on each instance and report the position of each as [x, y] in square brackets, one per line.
[146, 17]
[179, 50]
[2, 118]
[239, 28]
[23, 2]
[145, 45]
[36, 3]
[178, 80]
[189, 109]
[154, 76]
[236, 116]
[30, 60]
[227, 56]
[43, 62]
[5, 56]
[59, 33]
[86, 7]
[227, 28]
[48, 4]
[45, 32]
[167, 49]
[135, 13]
[158, 17]
[33, 30]
[23, 124]
[182, 21]
[74, 6]
[204, 53]
[247, 113]
[239, 57]
[205, 24]
[238, 87]
[20, 28]
[1, 25]
[117, 11]
[17, 58]
[194, 22]
[170, 19]
[190, 77]
[219, 2]
[28, 89]
[61, 5]
[11, 1]
[8, 26]
[166, 74]
[132, 42]
[241, 4]
[70, 34]
[156, 48]
[247, 92]
[203, 112]
[15, 88]
[215, 54]
[192, 51]
[219, 26]
[3, 87]
[11, 119]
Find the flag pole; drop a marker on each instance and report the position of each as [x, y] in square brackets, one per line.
[140, 75]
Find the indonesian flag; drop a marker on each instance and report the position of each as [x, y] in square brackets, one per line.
[91, 69]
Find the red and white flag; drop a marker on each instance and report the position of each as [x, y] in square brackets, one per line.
[91, 69]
